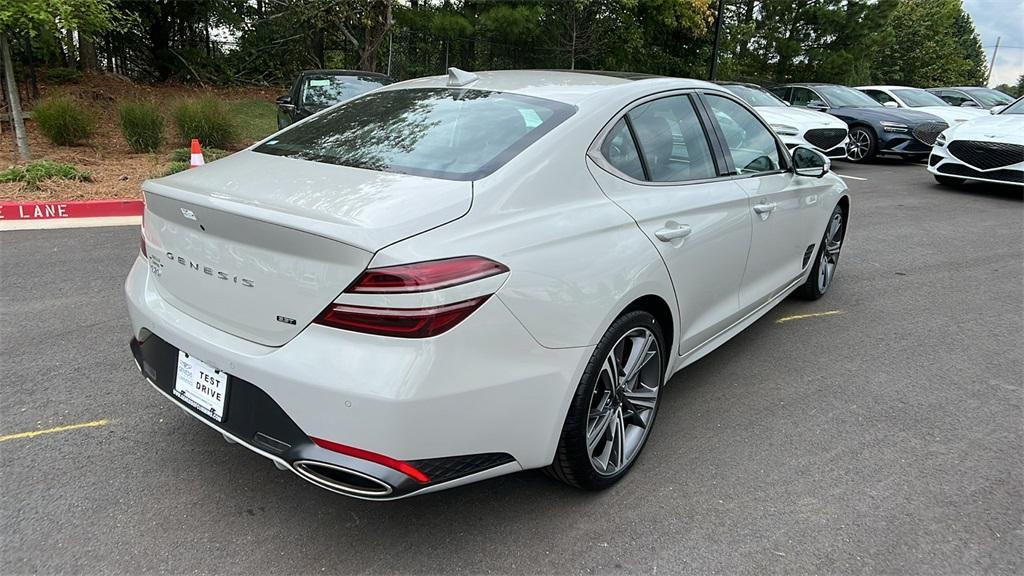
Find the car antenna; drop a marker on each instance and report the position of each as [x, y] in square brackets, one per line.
[458, 77]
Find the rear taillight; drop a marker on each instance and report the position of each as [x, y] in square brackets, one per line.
[426, 276]
[408, 279]
[399, 322]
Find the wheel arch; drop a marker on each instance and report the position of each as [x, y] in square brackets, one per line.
[657, 306]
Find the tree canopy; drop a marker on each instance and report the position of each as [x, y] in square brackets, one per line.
[916, 42]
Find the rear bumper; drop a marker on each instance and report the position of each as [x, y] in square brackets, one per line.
[481, 400]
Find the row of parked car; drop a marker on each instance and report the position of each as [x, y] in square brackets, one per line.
[854, 124]
[966, 133]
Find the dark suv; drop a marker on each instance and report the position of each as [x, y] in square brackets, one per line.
[874, 129]
[315, 90]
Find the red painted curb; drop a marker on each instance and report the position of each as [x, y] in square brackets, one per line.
[80, 209]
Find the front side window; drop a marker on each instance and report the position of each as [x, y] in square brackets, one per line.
[954, 98]
[879, 96]
[752, 145]
[1015, 108]
[454, 134]
[672, 140]
[802, 96]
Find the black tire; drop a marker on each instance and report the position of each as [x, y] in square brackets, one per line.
[949, 180]
[869, 140]
[573, 462]
[826, 256]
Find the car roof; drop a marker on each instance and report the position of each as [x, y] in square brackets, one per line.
[886, 87]
[337, 72]
[568, 86]
[747, 84]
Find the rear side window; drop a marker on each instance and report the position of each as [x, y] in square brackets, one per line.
[672, 140]
[453, 134]
[620, 150]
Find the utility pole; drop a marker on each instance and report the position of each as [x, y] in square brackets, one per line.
[713, 74]
[993, 64]
[14, 100]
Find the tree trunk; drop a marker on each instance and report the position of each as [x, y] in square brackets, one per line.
[86, 54]
[69, 41]
[12, 97]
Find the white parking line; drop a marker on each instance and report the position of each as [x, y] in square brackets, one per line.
[850, 177]
[51, 223]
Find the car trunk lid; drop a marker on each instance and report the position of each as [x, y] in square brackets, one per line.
[258, 245]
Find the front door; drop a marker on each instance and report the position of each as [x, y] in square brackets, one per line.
[783, 205]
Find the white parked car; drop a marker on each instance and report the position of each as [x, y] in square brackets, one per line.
[986, 149]
[454, 278]
[921, 100]
[795, 126]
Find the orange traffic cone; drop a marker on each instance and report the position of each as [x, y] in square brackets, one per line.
[197, 155]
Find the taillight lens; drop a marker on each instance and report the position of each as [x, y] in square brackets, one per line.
[403, 467]
[399, 322]
[426, 276]
[408, 279]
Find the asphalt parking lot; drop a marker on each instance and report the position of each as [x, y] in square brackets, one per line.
[878, 430]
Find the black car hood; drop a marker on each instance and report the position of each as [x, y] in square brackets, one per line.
[879, 113]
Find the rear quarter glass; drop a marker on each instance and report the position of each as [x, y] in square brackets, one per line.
[453, 134]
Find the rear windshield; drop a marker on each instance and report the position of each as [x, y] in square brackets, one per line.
[454, 134]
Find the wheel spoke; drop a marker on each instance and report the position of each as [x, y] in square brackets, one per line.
[643, 397]
[639, 356]
[599, 431]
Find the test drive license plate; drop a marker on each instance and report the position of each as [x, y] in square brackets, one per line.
[201, 386]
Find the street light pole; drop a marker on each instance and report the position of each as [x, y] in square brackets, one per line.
[713, 74]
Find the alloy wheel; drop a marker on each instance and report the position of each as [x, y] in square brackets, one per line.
[830, 252]
[860, 144]
[624, 401]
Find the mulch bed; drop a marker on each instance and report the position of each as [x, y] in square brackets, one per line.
[116, 171]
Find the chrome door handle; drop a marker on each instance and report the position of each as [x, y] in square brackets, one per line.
[765, 208]
[673, 231]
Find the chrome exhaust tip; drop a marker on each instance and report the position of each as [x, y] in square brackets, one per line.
[343, 480]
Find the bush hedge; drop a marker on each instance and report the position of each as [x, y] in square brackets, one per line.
[64, 121]
[35, 172]
[207, 119]
[142, 125]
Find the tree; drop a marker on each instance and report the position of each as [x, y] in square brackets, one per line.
[33, 16]
[929, 43]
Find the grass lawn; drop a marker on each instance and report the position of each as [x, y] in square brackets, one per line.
[256, 118]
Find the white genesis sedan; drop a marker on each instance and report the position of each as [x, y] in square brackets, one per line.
[795, 126]
[987, 149]
[453, 278]
[922, 100]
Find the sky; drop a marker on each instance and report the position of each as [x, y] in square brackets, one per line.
[994, 18]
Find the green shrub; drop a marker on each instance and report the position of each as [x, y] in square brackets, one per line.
[175, 167]
[64, 121]
[61, 75]
[35, 172]
[142, 125]
[207, 119]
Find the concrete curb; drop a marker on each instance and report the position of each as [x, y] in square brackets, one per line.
[77, 214]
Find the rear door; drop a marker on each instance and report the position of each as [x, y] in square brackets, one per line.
[782, 204]
[656, 162]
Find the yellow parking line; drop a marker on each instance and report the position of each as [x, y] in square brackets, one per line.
[35, 433]
[803, 316]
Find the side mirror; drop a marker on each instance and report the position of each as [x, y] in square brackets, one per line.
[890, 104]
[811, 163]
[969, 104]
[285, 102]
[997, 109]
[817, 105]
